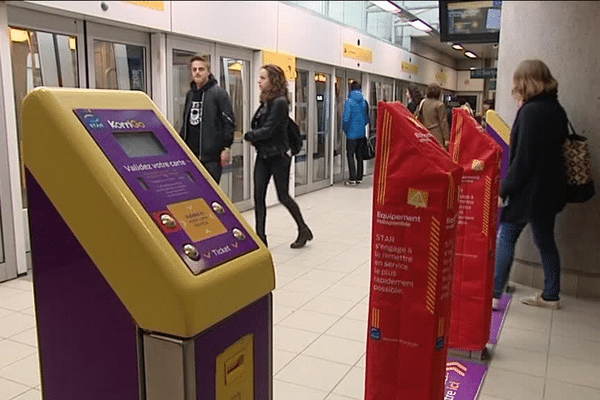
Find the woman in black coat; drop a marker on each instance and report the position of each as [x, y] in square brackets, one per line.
[534, 189]
[269, 137]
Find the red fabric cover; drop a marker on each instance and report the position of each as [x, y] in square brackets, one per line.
[480, 156]
[415, 210]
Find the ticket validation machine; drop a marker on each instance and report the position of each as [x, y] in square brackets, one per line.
[148, 283]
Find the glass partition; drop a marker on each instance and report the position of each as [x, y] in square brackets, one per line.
[119, 66]
[302, 89]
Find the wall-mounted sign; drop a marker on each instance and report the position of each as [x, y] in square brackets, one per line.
[358, 53]
[484, 73]
[155, 5]
[441, 77]
[286, 62]
[410, 68]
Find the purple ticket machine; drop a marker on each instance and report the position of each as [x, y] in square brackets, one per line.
[148, 283]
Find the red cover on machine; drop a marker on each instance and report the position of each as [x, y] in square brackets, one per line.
[415, 209]
[480, 156]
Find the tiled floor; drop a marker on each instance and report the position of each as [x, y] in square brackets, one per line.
[320, 317]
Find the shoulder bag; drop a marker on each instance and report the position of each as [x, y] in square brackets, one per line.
[580, 185]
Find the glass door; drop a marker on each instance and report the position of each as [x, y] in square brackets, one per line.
[343, 80]
[45, 50]
[118, 58]
[314, 105]
[235, 72]
[380, 89]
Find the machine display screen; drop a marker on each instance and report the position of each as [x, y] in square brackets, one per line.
[140, 144]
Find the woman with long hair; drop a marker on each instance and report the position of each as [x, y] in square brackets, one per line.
[534, 188]
[274, 157]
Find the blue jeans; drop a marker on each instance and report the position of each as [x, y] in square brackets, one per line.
[543, 235]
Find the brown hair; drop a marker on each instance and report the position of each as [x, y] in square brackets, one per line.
[204, 58]
[433, 91]
[278, 85]
[531, 79]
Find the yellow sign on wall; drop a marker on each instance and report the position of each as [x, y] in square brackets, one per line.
[410, 68]
[358, 53]
[286, 62]
[441, 77]
[155, 5]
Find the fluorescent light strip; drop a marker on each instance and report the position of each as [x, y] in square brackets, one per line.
[457, 47]
[420, 25]
[470, 54]
[386, 5]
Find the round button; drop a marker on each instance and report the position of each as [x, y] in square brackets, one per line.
[239, 235]
[217, 208]
[191, 251]
[168, 221]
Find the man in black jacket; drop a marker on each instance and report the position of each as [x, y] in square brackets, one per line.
[208, 121]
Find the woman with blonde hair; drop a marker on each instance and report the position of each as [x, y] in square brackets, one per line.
[534, 189]
[274, 157]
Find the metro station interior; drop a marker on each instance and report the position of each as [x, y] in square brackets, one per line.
[319, 311]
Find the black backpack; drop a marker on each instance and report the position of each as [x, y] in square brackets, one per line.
[294, 136]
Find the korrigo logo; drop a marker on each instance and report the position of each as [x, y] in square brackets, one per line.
[131, 124]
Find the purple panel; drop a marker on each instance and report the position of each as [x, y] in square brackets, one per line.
[87, 340]
[161, 174]
[256, 319]
[463, 379]
[498, 317]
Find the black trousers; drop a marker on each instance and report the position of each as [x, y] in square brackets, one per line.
[279, 168]
[214, 168]
[354, 151]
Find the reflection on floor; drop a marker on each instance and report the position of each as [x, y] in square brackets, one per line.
[320, 317]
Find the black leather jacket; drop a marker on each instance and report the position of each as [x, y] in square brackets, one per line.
[217, 125]
[269, 128]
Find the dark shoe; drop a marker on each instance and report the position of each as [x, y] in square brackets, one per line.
[304, 235]
[358, 182]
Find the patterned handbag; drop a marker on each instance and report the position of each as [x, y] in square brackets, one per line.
[580, 185]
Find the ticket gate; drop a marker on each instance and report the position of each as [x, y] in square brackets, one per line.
[148, 283]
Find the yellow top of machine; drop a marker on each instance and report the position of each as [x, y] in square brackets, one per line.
[140, 264]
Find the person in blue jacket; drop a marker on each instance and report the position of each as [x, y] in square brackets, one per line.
[356, 117]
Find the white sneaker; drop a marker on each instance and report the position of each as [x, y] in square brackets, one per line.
[350, 183]
[538, 301]
[495, 304]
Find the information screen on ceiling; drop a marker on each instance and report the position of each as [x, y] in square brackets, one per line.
[470, 21]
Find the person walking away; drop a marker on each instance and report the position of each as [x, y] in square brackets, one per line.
[432, 113]
[356, 118]
[274, 157]
[415, 97]
[534, 188]
[487, 105]
[465, 105]
[208, 121]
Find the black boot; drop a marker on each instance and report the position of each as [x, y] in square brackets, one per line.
[304, 235]
[263, 237]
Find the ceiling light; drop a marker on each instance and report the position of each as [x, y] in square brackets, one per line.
[387, 6]
[417, 23]
[457, 46]
[470, 54]
[472, 68]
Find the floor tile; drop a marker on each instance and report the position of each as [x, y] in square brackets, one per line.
[309, 321]
[11, 352]
[349, 329]
[20, 283]
[519, 360]
[9, 389]
[281, 358]
[360, 312]
[4, 312]
[576, 325]
[290, 391]
[25, 371]
[328, 305]
[339, 350]
[564, 346]
[307, 286]
[337, 397]
[314, 373]
[556, 390]
[524, 339]
[290, 339]
[7, 292]
[28, 337]
[18, 302]
[15, 323]
[291, 298]
[576, 371]
[353, 384]
[32, 394]
[345, 292]
[527, 321]
[508, 385]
